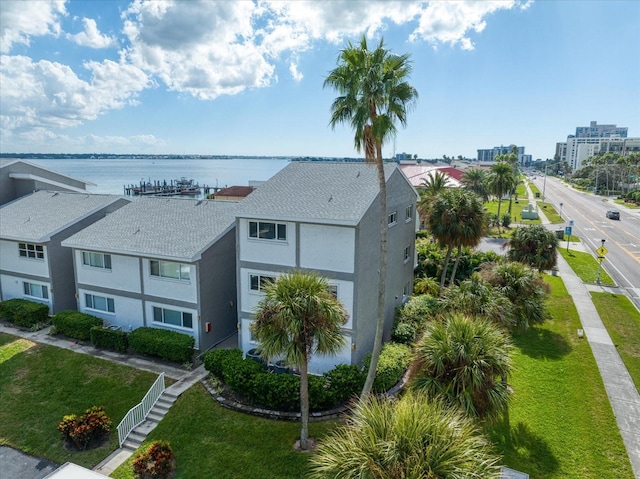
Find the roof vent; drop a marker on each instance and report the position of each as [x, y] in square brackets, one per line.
[330, 197]
[358, 175]
[199, 203]
[55, 194]
[137, 231]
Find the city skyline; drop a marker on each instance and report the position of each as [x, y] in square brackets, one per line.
[246, 78]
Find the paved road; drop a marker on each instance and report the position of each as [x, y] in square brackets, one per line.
[18, 465]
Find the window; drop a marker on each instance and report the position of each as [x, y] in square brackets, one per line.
[29, 250]
[99, 303]
[333, 289]
[36, 290]
[393, 218]
[406, 291]
[167, 269]
[267, 230]
[259, 282]
[407, 253]
[96, 260]
[408, 213]
[172, 317]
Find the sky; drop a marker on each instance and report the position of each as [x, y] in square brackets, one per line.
[246, 77]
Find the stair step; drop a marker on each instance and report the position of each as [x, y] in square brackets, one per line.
[130, 445]
[136, 436]
[155, 416]
[164, 403]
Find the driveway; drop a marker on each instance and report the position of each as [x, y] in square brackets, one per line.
[16, 464]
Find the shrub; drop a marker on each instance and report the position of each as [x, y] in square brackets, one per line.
[82, 430]
[75, 324]
[165, 344]
[411, 318]
[344, 381]
[156, 462]
[109, 339]
[506, 220]
[393, 362]
[25, 313]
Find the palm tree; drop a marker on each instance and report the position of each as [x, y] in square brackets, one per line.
[430, 187]
[500, 182]
[475, 180]
[373, 95]
[462, 361]
[299, 317]
[524, 288]
[534, 246]
[456, 219]
[413, 437]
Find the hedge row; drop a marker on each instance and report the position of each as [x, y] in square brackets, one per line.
[75, 324]
[24, 313]
[165, 344]
[109, 339]
[281, 392]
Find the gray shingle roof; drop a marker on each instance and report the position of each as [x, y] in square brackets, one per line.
[38, 216]
[172, 228]
[323, 192]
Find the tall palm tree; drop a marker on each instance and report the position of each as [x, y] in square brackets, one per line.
[534, 246]
[501, 181]
[475, 180]
[413, 437]
[456, 219]
[299, 317]
[430, 187]
[373, 95]
[462, 361]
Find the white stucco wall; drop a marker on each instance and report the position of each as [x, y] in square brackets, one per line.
[10, 260]
[267, 251]
[124, 274]
[249, 299]
[327, 247]
[181, 290]
[128, 311]
[345, 296]
[12, 287]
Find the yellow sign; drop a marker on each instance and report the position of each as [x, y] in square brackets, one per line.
[600, 259]
[602, 251]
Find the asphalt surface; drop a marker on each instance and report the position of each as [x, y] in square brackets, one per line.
[18, 465]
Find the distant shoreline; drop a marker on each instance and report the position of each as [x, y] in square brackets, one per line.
[131, 156]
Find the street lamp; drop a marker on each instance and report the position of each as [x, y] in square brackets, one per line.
[561, 203]
[600, 259]
[544, 182]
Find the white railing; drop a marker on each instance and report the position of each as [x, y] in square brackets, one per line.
[139, 412]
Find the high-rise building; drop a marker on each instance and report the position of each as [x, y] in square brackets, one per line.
[600, 131]
[490, 154]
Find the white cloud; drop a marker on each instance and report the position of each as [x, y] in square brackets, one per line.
[295, 73]
[22, 19]
[91, 36]
[47, 95]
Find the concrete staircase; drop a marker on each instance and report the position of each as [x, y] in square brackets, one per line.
[157, 413]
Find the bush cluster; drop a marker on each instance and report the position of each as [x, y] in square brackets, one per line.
[82, 430]
[75, 324]
[24, 313]
[393, 362]
[109, 339]
[411, 318]
[253, 381]
[165, 344]
[157, 462]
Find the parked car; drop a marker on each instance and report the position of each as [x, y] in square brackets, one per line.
[613, 214]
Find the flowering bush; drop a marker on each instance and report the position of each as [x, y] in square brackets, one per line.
[157, 462]
[81, 430]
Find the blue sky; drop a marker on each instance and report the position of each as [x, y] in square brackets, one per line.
[245, 78]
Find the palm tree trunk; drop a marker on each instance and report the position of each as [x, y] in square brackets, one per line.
[377, 342]
[455, 264]
[447, 258]
[304, 405]
[499, 204]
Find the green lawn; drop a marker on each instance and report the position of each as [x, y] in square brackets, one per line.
[622, 320]
[516, 210]
[210, 441]
[628, 205]
[586, 266]
[40, 384]
[534, 188]
[550, 212]
[560, 422]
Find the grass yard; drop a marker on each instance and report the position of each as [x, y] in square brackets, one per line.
[534, 188]
[622, 320]
[551, 213]
[40, 384]
[586, 266]
[561, 424]
[521, 190]
[210, 441]
[516, 210]
[633, 206]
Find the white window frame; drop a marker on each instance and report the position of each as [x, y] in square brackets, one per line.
[261, 282]
[96, 260]
[405, 290]
[407, 253]
[182, 269]
[408, 213]
[392, 219]
[28, 290]
[255, 231]
[90, 303]
[30, 251]
[163, 311]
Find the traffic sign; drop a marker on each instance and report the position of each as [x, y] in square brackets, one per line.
[567, 230]
[602, 251]
[600, 259]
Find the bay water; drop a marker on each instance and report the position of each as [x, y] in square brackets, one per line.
[110, 176]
